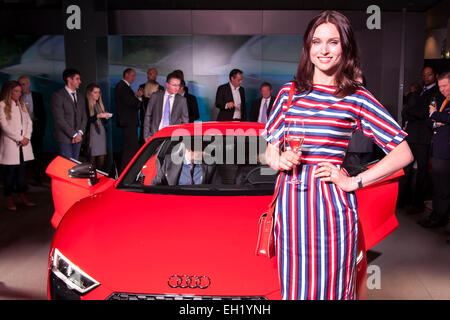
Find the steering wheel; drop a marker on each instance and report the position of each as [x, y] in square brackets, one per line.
[252, 176]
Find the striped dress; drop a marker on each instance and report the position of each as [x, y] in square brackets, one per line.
[316, 223]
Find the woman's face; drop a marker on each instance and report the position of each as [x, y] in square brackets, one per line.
[95, 94]
[16, 92]
[326, 49]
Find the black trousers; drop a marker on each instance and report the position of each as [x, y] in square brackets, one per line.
[131, 145]
[413, 191]
[441, 189]
[15, 177]
[36, 164]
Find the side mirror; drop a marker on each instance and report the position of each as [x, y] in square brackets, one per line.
[84, 171]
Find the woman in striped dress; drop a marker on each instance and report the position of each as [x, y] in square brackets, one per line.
[316, 224]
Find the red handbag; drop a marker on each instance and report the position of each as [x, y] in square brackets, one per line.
[265, 244]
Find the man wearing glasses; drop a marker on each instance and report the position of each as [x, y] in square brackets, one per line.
[165, 108]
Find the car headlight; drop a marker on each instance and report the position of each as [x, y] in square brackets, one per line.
[73, 276]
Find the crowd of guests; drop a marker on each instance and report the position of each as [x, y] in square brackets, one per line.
[82, 119]
[426, 118]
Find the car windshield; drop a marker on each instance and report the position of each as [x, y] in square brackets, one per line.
[202, 165]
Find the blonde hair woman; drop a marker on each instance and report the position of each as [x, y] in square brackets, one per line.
[15, 146]
[96, 131]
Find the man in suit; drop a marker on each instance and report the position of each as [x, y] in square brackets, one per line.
[150, 87]
[191, 101]
[127, 106]
[261, 107]
[184, 166]
[35, 104]
[420, 130]
[440, 161]
[165, 108]
[69, 115]
[230, 98]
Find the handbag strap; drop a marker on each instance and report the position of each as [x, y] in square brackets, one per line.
[277, 188]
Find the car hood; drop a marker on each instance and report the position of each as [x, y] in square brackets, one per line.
[134, 242]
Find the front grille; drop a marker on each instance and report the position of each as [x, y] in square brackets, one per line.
[132, 296]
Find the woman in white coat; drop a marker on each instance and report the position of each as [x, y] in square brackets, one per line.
[15, 146]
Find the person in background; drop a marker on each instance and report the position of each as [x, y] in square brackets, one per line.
[407, 96]
[440, 161]
[15, 145]
[261, 107]
[36, 109]
[127, 107]
[96, 128]
[360, 148]
[69, 115]
[150, 87]
[420, 131]
[191, 101]
[230, 98]
[166, 108]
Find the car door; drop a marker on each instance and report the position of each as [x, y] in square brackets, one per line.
[376, 209]
[67, 191]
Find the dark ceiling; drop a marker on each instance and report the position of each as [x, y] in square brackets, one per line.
[385, 5]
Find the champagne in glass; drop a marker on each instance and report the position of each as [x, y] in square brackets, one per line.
[433, 104]
[295, 137]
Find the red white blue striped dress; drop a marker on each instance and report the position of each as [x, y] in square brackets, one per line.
[316, 223]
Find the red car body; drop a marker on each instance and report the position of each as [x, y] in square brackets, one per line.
[133, 243]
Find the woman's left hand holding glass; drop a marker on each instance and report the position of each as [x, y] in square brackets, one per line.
[328, 172]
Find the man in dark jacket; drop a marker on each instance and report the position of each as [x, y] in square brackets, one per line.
[440, 161]
[191, 101]
[69, 115]
[230, 98]
[35, 104]
[127, 106]
[420, 130]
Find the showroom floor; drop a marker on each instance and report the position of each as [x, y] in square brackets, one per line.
[412, 263]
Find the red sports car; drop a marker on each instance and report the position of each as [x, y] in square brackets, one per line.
[181, 221]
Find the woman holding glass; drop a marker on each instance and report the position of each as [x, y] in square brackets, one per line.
[316, 219]
[96, 130]
[15, 146]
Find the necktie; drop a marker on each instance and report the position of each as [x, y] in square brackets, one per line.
[166, 115]
[264, 112]
[192, 173]
[443, 105]
[75, 108]
[423, 91]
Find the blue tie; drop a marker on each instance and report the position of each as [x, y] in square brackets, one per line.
[264, 112]
[166, 115]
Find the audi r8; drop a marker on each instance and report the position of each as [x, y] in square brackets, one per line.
[157, 233]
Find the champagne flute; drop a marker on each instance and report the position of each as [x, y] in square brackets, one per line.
[295, 137]
[434, 104]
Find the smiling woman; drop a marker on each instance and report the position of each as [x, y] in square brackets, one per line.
[317, 220]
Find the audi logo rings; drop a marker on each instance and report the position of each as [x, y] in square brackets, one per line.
[192, 282]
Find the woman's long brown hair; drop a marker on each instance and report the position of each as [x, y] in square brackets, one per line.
[91, 102]
[5, 96]
[349, 68]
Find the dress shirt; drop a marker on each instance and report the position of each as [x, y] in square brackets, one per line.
[426, 88]
[28, 100]
[74, 99]
[185, 174]
[261, 107]
[237, 102]
[166, 96]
